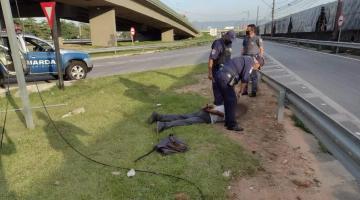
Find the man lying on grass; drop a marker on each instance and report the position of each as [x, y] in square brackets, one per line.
[210, 115]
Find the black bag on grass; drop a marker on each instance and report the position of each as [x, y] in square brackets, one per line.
[167, 146]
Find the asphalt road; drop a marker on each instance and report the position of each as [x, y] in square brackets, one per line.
[175, 58]
[335, 76]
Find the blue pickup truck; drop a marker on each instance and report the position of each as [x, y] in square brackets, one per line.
[38, 58]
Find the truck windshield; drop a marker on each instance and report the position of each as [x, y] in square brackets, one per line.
[35, 45]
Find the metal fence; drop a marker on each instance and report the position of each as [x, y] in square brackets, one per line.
[144, 47]
[340, 141]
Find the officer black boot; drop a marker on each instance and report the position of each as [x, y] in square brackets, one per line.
[235, 128]
[153, 118]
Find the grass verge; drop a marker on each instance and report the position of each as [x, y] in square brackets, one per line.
[298, 123]
[37, 164]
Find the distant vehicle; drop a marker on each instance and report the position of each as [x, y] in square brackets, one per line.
[38, 58]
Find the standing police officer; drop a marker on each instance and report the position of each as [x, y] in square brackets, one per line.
[237, 69]
[220, 54]
[252, 46]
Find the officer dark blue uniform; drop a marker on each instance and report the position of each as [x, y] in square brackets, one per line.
[220, 54]
[237, 69]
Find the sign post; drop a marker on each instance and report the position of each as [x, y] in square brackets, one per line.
[14, 46]
[50, 14]
[132, 34]
[340, 24]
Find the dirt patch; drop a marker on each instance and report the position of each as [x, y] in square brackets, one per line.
[203, 87]
[289, 168]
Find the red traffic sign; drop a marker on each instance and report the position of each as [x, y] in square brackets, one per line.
[132, 31]
[49, 11]
[341, 20]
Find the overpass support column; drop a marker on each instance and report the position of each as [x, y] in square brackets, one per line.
[167, 35]
[103, 27]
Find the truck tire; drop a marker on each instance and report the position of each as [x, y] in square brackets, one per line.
[77, 70]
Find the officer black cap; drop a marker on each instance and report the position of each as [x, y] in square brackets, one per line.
[230, 35]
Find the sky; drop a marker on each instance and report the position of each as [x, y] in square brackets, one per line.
[224, 10]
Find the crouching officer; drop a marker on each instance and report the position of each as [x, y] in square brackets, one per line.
[236, 70]
[220, 54]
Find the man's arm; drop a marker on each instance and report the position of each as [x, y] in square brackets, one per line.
[215, 112]
[210, 66]
[215, 53]
[261, 46]
[262, 50]
[244, 46]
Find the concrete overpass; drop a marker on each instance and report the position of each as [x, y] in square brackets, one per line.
[151, 18]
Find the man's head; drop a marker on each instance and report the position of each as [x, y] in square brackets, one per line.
[229, 37]
[251, 30]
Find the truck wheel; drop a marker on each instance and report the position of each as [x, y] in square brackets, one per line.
[77, 70]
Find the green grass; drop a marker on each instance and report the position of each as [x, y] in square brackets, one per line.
[298, 123]
[37, 164]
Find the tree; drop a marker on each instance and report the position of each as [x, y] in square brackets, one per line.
[69, 30]
[84, 29]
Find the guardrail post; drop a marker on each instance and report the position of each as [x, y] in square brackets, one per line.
[281, 105]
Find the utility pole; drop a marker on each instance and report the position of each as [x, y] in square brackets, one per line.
[257, 16]
[14, 46]
[272, 19]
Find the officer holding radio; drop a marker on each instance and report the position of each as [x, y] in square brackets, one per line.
[220, 54]
[236, 70]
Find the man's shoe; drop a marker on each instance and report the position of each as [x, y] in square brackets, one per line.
[235, 128]
[160, 127]
[244, 94]
[153, 118]
[252, 94]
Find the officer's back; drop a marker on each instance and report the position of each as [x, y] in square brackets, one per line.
[238, 68]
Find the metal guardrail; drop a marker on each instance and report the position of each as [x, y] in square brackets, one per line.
[349, 45]
[85, 41]
[142, 47]
[337, 139]
[77, 41]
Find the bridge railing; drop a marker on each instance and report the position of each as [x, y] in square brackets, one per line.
[340, 141]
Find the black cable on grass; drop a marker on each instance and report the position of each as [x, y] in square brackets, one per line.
[110, 165]
[6, 112]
